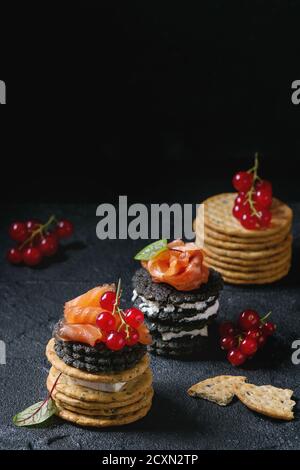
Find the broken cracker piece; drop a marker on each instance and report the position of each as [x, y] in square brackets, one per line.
[220, 389]
[267, 400]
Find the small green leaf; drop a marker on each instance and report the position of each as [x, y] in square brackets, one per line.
[36, 413]
[150, 251]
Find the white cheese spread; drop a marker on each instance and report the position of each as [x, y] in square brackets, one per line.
[210, 311]
[152, 307]
[100, 386]
[192, 333]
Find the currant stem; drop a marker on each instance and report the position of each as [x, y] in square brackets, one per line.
[262, 320]
[118, 296]
[117, 310]
[39, 231]
[249, 197]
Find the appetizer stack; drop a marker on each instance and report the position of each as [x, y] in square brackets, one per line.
[241, 255]
[178, 295]
[246, 235]
[100, 374]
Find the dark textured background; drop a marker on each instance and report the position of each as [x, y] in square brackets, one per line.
[32, 300]
[164, 91]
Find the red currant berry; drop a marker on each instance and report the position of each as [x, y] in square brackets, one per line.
[227, 329]
[248, 320]
[18, 232]
[14, 256]
[249, 221]
[134, 317]
[248, 346]
[228, 342]
[64, 229]
[133, 337]
[261, 340]
[115, 341]
[242, 181]
[254, 333]
[269, 328]
[236, 357]
[264, 185]
[263, 194]
[48, 245]
[265, 218]
[108, 300]
[32, 256]
[32, 225]
[240, 199]
[237, 211]
[106, 321]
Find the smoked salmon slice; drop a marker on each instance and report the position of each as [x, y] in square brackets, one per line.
[91, 298]
[181, 266]
[88, 334]
[82, 314]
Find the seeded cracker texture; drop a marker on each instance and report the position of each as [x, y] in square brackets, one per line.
[220, 389]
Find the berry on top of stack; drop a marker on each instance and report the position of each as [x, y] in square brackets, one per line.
[246, 236]
[178, 295]
[100, 366]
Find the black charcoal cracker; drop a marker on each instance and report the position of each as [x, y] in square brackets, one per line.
[161, 327]
[98, 358]
[184, 342]
[177, 349]
[175, 316]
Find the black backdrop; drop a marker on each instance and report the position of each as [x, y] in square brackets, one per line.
[148, 98]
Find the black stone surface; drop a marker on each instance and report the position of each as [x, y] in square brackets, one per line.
[31, 303]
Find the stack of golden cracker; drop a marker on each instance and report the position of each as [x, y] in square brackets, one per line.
[244, 256]
[89, 406]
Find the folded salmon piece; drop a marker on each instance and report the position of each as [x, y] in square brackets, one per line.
[82, 314]
[88, 334]
[92, 297]
[181, 266]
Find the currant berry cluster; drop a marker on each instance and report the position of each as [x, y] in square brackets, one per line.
[119, 327]
[252, 204]
[36, 240]
[244, 340]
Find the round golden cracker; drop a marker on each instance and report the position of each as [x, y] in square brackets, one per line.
[91, 404]
[250, 263]
[84, 420]
[234, 245]
[253, 275]
[267, 400]
[236, 239]
[114, 377]
[247, 254]
[218, 217]
[255, 267]
[267, 280]
[131, 390]
[144, 401]
[216, 235]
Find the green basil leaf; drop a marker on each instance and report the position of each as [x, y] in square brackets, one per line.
[36, 413]
[150, 251]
